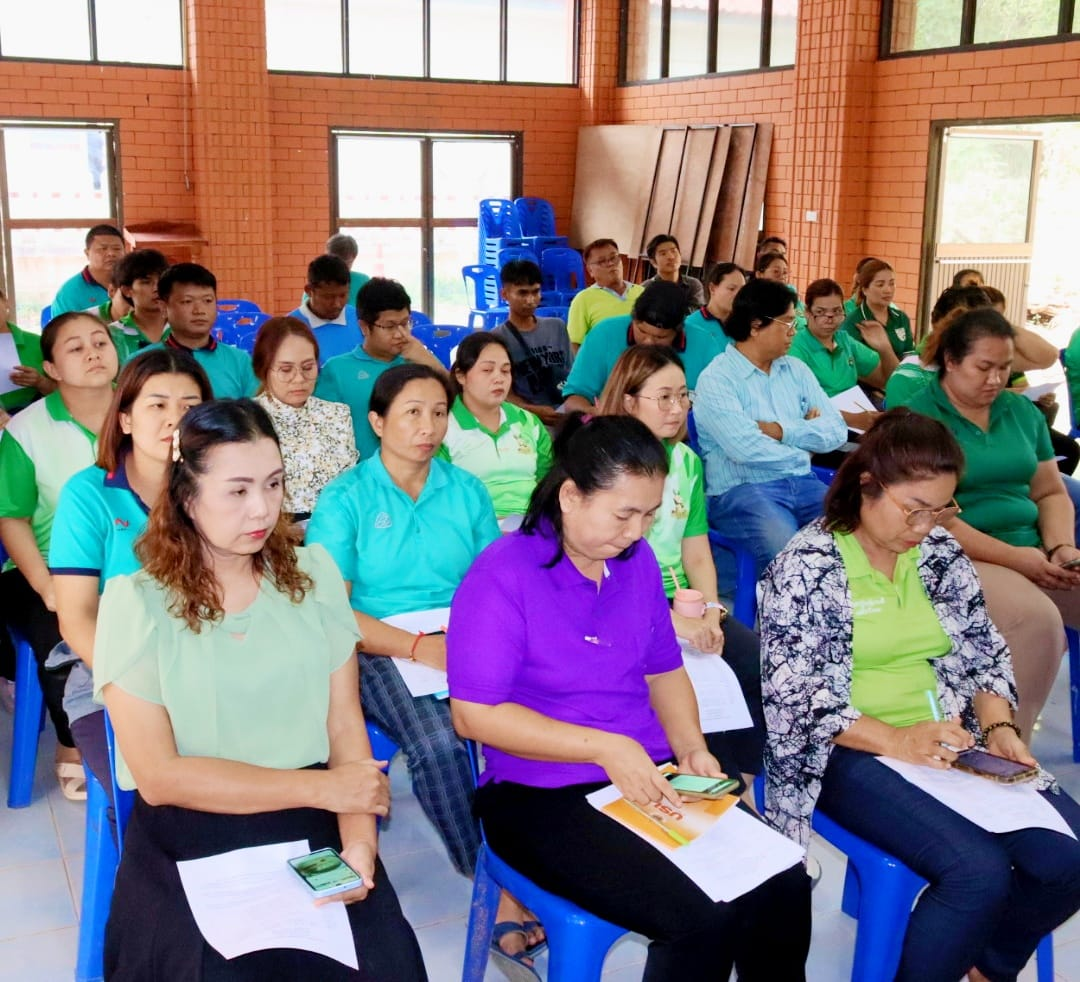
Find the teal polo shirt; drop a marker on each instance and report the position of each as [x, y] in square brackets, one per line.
[898, 328]
[97, 521]
[228, 368]
[837, 370]
[80, 292]
[349, 379]
[402, 555]
[999, 463]
[709, 324]
[610, 338]
[28, 348]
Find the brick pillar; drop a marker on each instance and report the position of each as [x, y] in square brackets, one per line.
[834, 132]
[231, 144]
[599, 61]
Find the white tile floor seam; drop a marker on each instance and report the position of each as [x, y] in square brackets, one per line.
[41, 854]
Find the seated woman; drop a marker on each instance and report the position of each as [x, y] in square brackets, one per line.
[103, 510]
[597, 695]
[40, 449]
[874, 616]
[227, 668]
[1018, 524]
[316, 436]
[507, 447]
[723, 281]
[875, 310]
[650, 385]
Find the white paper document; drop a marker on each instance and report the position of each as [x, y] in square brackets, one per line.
[721, 705]
[1036, 392]
[9, 360]
[422, 680]
[734, 854]
[988, 804]
[852, 400]
[248, 900]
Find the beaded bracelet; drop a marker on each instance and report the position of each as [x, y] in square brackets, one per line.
[987, 730]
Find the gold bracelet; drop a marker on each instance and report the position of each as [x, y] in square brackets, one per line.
[987, 730]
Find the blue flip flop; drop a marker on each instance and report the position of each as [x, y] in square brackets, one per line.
[512, 966]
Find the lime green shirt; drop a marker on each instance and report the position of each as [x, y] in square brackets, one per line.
[510, 461]
[897, 328]
[254, 687]
[999, 463]
[28, 348]
[681, 514]
[837, 370]
[896, 633]
[596, 303]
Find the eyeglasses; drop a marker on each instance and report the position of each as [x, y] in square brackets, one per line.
[789, 325]
[607, 261]
[669, 400]
[832, 314]
[402, 327]
[288, 371]
[924, 517]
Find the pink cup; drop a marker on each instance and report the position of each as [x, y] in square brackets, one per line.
[689, 603]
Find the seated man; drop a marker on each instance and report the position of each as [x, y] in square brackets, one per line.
[136, 276]
[609, 296]
[90, 288]
[664, 253]
[837, 360]
[189, 292]
[657, 318]
[760, 415]
[540, 355]
[384, 311]
[326, 310]
[346, 249]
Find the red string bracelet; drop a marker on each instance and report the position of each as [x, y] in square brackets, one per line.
[416, 641]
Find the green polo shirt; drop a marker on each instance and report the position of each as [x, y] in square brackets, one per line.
[1072, 374]
[837, 370]
[681, 514]
[896, 633]
[610, 338]
[349, 378]
[39, 450]
[898, 328]
[128, 338]
[28, 348]
[595, 304]
[227, 367]
[999, 463]
[510, 461]
[711, 325]
[907, 380]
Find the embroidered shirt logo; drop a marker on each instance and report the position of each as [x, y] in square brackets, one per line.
[361, 375]
[120, 523]
[383, 520]
[868, 607]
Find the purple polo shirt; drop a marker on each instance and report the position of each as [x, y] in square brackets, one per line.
[549, 640]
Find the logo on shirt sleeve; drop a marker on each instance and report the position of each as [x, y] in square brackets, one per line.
[383, 520]
[120, 523]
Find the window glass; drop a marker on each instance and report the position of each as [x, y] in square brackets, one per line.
[642, 40]
[465, 39]
[454, 248]
[304, 35]
[43, 258]
[148, 32]
[378, 177]
[738, 36]
[464, 172]
[1011, 20]
[785, 22]
[540, 41]
[55, 172]
[987, 187]
[386, 38]
[921, 24]
[688, 48]
[392, 252]
[58, 30]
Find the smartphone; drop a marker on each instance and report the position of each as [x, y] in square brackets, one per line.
[1071, 564]
[994, 767]
[701, 787]
[325, 873]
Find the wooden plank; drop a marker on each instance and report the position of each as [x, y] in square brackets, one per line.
[724, 237]
[614, 176]
[665, 189]
[696, 243]
[754, 196]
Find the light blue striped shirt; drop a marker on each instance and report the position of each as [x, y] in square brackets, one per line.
[733, 395]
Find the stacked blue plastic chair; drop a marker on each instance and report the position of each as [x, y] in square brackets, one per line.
[562, 273]
[482, 287]
[879, 891]
[496, 223]
[578, 941]
[509, 253]
[553, 311]
[441, 339]
[536, 218]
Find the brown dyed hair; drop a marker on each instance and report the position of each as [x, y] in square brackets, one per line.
[171, 549]
[270, 337]
[636, 365]
[113, 442]
[953, 302]
[899, 446]
[865, 276]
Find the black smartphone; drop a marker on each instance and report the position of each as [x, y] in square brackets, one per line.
[995, 768]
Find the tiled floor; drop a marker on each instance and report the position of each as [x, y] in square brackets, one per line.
[41, 873]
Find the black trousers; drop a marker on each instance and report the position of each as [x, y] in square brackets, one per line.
[24, 610]
[558, 840]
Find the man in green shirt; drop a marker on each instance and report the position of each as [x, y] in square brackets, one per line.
[136, 276]
[609, 296]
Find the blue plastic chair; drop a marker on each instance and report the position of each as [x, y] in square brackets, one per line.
[99, 873]
[578, 941]
[509, 253]
[497, 221]
[553, 311]
[879, 892]
[238, 307]
[123, 800]
[382, 747]
[563, 274]
[442, 339]
[535, 216]
[46, 314]
[824, 474]
[1073, 638]
[482, 286]
[28, 724]
[419, 317]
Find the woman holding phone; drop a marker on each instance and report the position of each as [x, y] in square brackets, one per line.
[227, 667]
[875, 617]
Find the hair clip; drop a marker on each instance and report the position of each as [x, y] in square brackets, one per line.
[586, 419]
[176, 455]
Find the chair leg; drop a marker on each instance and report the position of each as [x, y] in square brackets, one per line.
[29, 720]
[849, 904]
[485, 903]
[1074, 688]
[576, 951]
[888, 891]
[1044, 956]
[99, 871]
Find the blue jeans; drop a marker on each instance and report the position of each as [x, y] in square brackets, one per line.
[992, 896]
[763, 517]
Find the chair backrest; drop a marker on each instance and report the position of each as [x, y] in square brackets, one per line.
[441, 339]
[497, 218]
[238, 306]
[562, 269]
[46, 314]
[122, 800]
[535, 216]
[248, 322]
[516, 252]
[549, 311]
[482, 286]
[419, 317]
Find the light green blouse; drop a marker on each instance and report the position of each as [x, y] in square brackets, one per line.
[681, 514]
[254, 687]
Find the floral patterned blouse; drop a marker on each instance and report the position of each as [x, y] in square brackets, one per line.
[806, 635]
[317, 444]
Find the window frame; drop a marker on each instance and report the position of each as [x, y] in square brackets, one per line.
[426, 223]
[967, 42]
[504, 7]
[764, 52]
